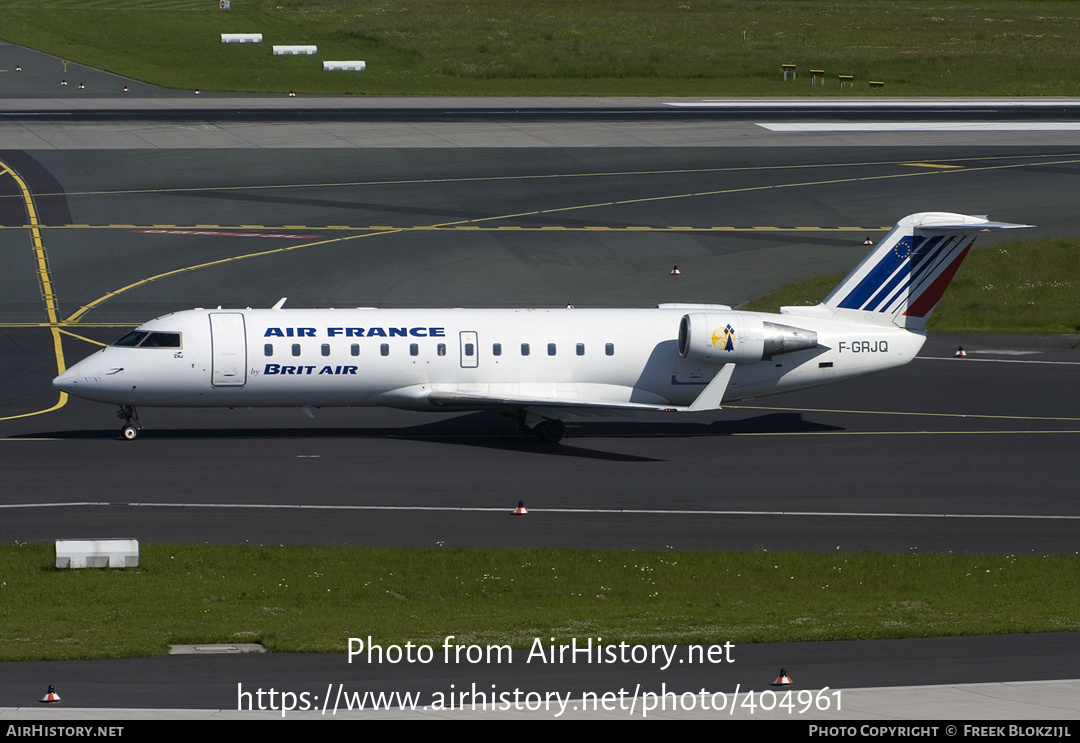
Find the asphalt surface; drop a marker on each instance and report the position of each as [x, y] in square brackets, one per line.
[932, 470]
[218, 682]
[970, 455]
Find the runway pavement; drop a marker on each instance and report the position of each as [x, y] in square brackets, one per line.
[136, 220]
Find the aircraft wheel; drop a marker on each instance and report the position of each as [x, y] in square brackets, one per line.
[550, 431]
[129, 433]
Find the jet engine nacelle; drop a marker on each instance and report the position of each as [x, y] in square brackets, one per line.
[739, 338]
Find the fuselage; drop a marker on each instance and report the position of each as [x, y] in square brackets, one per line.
[406, 357]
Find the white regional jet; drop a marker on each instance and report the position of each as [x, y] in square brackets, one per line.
[539, 366]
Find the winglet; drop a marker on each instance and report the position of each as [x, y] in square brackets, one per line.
[713, 394]
[280, 304]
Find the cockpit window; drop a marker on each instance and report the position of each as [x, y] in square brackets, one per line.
[133, 338]
[161, 340]
[142, 339]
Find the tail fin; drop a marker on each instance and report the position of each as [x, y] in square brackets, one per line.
[904, 276]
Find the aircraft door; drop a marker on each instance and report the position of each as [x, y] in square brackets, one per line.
[470, 349]
[228, 341]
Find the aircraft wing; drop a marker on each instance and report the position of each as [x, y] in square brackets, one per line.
[543, 396]
[475, 401]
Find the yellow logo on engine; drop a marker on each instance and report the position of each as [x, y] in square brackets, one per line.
[723, 339]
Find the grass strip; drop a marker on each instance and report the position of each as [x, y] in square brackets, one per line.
[1023, 286]
[314, 599]
[571, 47]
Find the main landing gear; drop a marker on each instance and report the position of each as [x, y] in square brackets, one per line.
[548, 430]
[131, 428]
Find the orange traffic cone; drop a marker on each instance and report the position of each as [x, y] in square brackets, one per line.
[783, 679]
[675, 271]
[961, 353]
[868, 241]
[521, 510]
[51, 696]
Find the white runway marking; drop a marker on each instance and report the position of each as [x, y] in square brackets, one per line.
[923, 126]
[631, 511]
[929, 103]
[997, 361]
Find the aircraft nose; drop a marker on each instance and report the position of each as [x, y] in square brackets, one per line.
[67, 382]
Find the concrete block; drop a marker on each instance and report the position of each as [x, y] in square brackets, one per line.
[356, 65]
[241, 38]
[97, 553]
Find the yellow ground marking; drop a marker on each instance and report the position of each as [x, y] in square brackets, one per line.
[79, 313]
[536, 177]
[63, 324]
[901, 412]
[61, 402]
[932, 165]
[44, 282]
[50, 298]
[84, 338]
[431, 227]
[750, 189]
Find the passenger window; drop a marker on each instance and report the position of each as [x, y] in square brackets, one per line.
[581, 349]
[496, 349]
[442, 349]
[384, 349]
[326, 349]
[609, 349]
[296, 349]
[551, 349]
[414, 350]
[524, 349]
[470, 350]
[355, 349]
[268, 349]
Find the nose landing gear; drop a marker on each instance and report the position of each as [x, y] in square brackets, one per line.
[131, 428]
